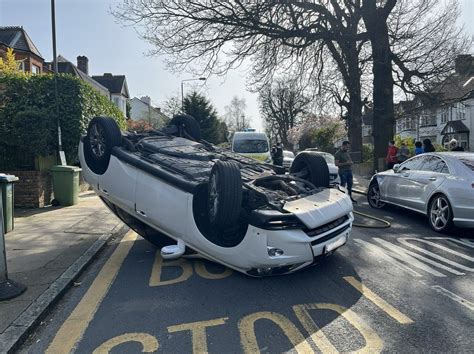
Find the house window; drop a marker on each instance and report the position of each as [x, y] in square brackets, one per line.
[21, 65]
[444, 115]
[35, 69]
[427, 120]
[460, 111]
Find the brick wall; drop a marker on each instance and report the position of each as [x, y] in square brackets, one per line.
[33, 190]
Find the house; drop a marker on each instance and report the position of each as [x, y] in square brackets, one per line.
[81, 71]
[117, 86]
[25, 50]
[445, 113]
[141, 109]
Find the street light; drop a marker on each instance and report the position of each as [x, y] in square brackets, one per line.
[182, 94]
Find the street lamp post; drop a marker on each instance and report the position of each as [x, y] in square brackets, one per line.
[182, 91]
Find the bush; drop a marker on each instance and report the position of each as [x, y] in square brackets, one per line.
[29, 114]
[367, 152]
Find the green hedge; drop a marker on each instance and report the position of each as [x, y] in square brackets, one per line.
[28, 115]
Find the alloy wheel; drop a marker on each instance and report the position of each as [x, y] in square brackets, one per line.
[440, 213]
[374, 197]
[97, 140]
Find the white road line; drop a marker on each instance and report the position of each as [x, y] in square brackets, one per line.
[404, 241]
[462, 241]
[444, 248]
[453, 296]
[382, 254]
[403, 251]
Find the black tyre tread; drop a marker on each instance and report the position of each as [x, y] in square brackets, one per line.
[114, 138]
[189, 123]
[317, 166]
[230, 193]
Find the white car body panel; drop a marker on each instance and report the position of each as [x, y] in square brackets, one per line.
[169, 210]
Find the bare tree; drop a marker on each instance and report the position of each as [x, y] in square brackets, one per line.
[234, 115]
[282, 106]
[171, 106]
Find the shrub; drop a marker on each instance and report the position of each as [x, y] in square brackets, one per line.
[29, 113]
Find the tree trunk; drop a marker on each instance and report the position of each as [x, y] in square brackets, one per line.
[354, 124]
[383, 122]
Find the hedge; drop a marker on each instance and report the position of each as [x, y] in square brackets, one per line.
[28, 115]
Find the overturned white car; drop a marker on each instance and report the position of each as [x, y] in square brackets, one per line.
[187, 196]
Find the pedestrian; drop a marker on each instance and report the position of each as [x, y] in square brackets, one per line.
[428, 146]
[278, 160]
[391, 158]
[419, 148]
[403, 153]
[273, 153]
[344, 163]
[453, 144]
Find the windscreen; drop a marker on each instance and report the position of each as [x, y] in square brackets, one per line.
[329, 158]
[288, 154]
[250, 146]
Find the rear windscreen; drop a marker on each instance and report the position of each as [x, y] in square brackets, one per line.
[250, 146]
[468, 162]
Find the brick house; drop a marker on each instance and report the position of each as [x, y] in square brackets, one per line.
[25, 50]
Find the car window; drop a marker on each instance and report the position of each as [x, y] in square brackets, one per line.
[288, 154]
[468, 161]
[250, 146]
[412, 164]
[434, 164]
[329, 158]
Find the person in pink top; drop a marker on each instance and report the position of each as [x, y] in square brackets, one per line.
[392, 157]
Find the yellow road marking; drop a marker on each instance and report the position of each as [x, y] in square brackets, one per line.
[373, 343]
[198, 332]
[248, 339]
[204, 273]
[155, 278]
[378, 301]
[149, 343]
[76, 324]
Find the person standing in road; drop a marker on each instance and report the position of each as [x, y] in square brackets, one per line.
[428, 146]
[344, 162]
[403, 153]
[279, 155]
[419, 148]
[391, 158]
[453, 144]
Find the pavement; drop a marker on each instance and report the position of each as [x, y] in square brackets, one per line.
[46, 251]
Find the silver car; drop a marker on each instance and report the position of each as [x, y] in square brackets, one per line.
[288, 158]
[439, 185]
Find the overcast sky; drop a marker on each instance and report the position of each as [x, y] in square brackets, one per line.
[85, 27]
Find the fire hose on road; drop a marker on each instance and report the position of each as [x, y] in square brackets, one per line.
[384, 223]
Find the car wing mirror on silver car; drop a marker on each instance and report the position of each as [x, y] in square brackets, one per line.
[396, 168]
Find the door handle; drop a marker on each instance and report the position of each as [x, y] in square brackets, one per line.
[406, 175]
[105, 191]
[142, 213]
[432, 178]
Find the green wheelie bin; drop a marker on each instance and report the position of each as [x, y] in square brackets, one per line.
[8, 193]
[66, 184]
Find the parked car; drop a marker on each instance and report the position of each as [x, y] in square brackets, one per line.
[333, 169]
[438, 185]
[186, 195]
[288, 158]
[252, 144]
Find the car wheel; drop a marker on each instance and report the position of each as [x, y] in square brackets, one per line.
[187, 126]
[224, 194]
[311, 167]
[103, 134]
[373, 196]
[440, 213]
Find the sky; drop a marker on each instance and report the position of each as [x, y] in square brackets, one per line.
[86, 27]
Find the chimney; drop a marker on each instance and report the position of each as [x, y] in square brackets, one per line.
[464, 64]
[83, 64]
[108, 74]
[146, 99]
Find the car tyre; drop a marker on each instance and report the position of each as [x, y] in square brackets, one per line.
[224, 194]
[440, 213]
[103, 134]
[317, 170]
[187, 125]
[373, 196]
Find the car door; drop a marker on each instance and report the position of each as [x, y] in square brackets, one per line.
[396, 185]
[432, 174]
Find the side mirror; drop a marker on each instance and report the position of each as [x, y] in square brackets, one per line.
[396, 168]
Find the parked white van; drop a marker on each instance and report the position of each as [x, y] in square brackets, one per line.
[251, 144]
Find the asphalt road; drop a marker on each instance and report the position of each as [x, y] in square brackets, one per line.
[404, 289]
